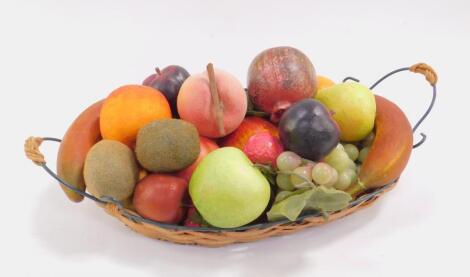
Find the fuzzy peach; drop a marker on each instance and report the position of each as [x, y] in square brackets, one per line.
[129, 108]
[215, 105]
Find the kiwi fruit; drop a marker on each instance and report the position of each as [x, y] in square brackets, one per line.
[167, 145]
[111, 170]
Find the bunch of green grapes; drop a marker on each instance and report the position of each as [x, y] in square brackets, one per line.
[338, 170]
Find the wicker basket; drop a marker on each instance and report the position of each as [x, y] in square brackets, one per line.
[215, 237]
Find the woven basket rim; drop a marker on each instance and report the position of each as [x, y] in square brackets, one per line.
[133, 216]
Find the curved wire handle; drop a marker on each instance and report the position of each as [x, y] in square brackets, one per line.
[431, 77]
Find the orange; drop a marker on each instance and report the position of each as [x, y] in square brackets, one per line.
[324, 82]
[129, 108]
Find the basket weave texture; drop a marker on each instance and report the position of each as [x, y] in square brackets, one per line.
[225, 237]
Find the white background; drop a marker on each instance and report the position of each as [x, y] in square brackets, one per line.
[57, 57]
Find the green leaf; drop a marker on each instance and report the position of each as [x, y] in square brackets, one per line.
[328, 199]
[290, 207]
[283, 194]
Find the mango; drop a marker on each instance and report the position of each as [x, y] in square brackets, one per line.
[390, 150]
[77, 141]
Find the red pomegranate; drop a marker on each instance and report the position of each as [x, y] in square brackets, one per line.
[279, 77]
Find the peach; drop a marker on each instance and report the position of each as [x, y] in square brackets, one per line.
[214, 101]
[390, 150]
[129, 108]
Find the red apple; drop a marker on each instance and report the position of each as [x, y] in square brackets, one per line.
[250, 126]
[279, 77]
[206, 146]
[159, 197]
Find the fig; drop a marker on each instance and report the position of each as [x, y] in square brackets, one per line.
[308, 129]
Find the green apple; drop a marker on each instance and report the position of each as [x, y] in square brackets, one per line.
[228, 190]
[353, 107]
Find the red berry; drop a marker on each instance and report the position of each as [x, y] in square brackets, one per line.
[193, 219]
[263, 148]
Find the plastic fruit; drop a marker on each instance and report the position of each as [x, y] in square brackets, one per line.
[390, 151]
[302, 175]
[353, 107]
[283, 181]
[111, 170]
[214, 101]
[77, 141]
[288, 161]
[339, 159]
[279, 77]
[307, 129]
[323, 174]
[159, 197]
[193, 218]
[263, 148]
[227, 190]
[250, 126]
[129, 108]
[352, 151]
[206, 145]
[323, 82]
[168, 81]
[167, 145]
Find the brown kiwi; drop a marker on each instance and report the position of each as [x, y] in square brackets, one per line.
[111, 170]
[167, 145]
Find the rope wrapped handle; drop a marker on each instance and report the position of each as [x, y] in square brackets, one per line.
[427, 71]
[31, 149]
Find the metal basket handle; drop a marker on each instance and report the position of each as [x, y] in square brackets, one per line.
[431, 77]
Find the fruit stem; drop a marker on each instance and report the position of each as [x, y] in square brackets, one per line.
[356, 189]
[217, 105]
[157, 69]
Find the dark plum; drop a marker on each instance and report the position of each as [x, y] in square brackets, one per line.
[168, 81]
[308, 129]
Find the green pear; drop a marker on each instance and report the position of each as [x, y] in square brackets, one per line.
[228, 190]
[353, 107]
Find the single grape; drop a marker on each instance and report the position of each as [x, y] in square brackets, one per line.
[322, 174]
[340, 147]
[368, 140]
[363, 154]
[352, 151]
[304, 171]
[352, 173]
[288, 161]
[283, 182]
[345, 179]
[334, 178]
[339, 159]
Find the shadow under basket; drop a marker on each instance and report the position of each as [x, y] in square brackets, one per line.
[216, 237]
